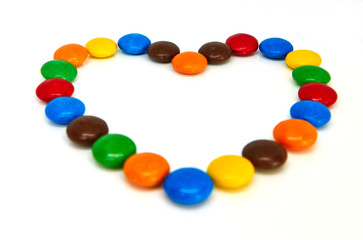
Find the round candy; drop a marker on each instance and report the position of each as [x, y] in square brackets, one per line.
[242, 44]
[189, 62]
[300, 58]
[59, 69]
[86, 130]
[265, 154]
[188, 186]
[63, 110]
[72, 53]
[314, 112]
[307, 74]
[216, 52]
[101, 47]
[275, 47]
[295, 134]
[53, 88]
[318, 92]
[146, 169]
[231, 171]
[134, 43]
[112, 150]
[162, 51]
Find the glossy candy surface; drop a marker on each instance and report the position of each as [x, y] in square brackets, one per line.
[162, 51]
[188, 186]
[86, 130]
[146, 169]
[314, 112]
[189, 62]
[308, 74]
[53, 88]
[318, 92]
[59, 69]
[295, 134]
[73, 53]
[231, 171]
[112, 150]
[134, 43]
[101, 47]
[300, 58]
[265, 154]
[275, 47]
[216, 52]
[242, 44]
[63, 110]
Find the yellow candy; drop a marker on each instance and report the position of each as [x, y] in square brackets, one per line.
[101, 47]
[300, 58]
[231, 171]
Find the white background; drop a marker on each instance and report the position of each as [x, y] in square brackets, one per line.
[52, 189]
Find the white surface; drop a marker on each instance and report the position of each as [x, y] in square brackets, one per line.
[52, 189]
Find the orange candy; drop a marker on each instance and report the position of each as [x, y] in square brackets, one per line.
[295, 134]
[73, 53]
[146, 169]
[189, 62]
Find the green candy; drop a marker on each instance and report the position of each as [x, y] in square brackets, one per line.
[308, 74]
[112, 150]
[59, 69]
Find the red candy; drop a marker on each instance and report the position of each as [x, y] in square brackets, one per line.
[318, 92]
[242, 44]
[53, 88]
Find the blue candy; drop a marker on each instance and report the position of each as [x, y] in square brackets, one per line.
[63, 110]
[275, 47]
[188, 186]
[315, 113]
[134, 43]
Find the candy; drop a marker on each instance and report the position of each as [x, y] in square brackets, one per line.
[314, 112]
[295, 134]
[63, 110]
[300, 58]
[146, 169]
[189, 62]
[265, 154]
[275, 47]
[53, 88]
[215, 52]
[134, 43]
[101, 47]
[307, 74]
[72, 53]
[318, 92]
[162, 51]
[112, 150]
[59, 69]
[188, 186]
[242, 44]
[231, 171]
[86, 130]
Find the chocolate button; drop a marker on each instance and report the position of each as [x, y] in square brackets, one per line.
[86, 130]
[162, 51]
[265, 154]
[216, 52]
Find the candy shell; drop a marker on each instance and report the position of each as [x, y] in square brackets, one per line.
[314, 112]
[308, 74]
[242, 44]
[318, 92]
[300, 58]
[72, 53]
[162, 51]
[275, 47]
[216, 52]
[63, 110]
[231, 171]
[101, 47]
[295, 134]
[59, 69]
[188, 186]
[189, 62]
[134, 43]
[53, 88]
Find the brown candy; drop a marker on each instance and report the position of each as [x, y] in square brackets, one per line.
[86, 130]
[162, 51]
[265, 154]
[216, 52]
